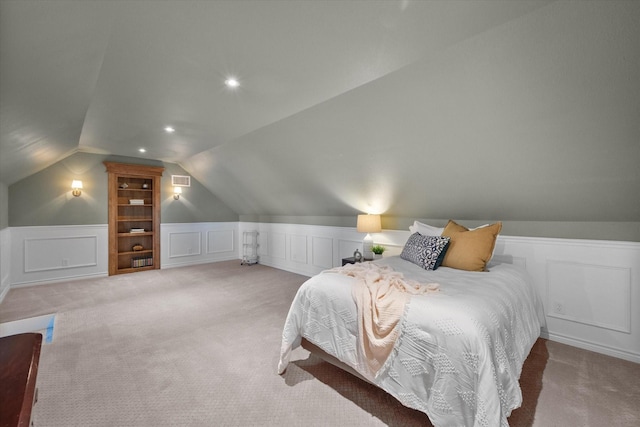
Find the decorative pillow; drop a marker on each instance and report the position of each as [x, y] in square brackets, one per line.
[425, 251]
[425, 229]
[470, 249]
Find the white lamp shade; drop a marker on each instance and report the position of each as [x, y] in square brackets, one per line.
[76, 184]
[177, 190]
[369, 224]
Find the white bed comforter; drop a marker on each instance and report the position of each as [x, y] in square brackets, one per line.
[459, 353]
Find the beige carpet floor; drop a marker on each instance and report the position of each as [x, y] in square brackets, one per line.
[198, 346]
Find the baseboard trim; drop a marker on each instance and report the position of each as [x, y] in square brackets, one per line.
[591, 346]
[4, 293]
[286, 267]
[231, 257]
[57, 280]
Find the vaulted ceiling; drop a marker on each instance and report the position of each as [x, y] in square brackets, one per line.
[318, 82]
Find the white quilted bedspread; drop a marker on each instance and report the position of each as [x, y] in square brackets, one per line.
[460, 351]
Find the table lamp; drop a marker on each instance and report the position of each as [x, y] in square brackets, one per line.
[368, 224]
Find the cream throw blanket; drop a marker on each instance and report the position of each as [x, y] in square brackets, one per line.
[380, 294]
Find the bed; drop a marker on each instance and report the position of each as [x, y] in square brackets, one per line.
[459, 350]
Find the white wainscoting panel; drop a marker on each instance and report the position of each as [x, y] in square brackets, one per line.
[322, 252]
[5, 262]
[596, 295]
[589, 289]
[185, 243]
[509, 259]
[298, 248]
[277, 245]
[197, 243]
[41, 253]
[304, 249]
[54, 253]
[263, 244]
[220, 241]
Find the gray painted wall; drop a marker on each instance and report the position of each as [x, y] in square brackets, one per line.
[534, 123]
[45, 198]
[196, 204]
[4, 206]
[4, 239]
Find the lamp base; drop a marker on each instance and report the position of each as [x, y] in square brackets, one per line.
[367, 244]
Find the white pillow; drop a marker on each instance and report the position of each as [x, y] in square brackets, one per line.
[425, 229]
[482, 226]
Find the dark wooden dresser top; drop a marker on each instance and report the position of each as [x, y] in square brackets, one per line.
[19, 358]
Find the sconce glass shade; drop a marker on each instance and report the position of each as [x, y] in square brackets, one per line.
[76, 186]
[177, 191]
[368, 224]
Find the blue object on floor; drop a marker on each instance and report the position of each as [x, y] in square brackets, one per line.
[49, 333]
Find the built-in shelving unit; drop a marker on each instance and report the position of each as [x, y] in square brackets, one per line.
[134, 217]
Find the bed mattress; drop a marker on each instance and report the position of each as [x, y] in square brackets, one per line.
[459, 353]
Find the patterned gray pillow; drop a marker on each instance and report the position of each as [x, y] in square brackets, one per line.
[425, 251]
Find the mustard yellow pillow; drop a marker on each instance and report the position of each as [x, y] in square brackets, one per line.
[470, 249]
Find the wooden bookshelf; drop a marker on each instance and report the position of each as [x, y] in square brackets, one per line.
[134, 217]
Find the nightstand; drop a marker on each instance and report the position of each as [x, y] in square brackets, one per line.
[352, 260]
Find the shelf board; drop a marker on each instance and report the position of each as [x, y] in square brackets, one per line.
[135, 189]
[144, 251]
[133, 219]
[131, 270]
[146, 233]
[129, 204]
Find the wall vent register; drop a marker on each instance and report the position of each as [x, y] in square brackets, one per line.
[180, 180]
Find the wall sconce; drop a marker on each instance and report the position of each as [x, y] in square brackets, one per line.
[76, 187]
[177, 191]
[368, 224]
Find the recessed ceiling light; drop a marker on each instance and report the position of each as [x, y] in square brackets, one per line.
[142, 150]
[232, 82]
[169, 129]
